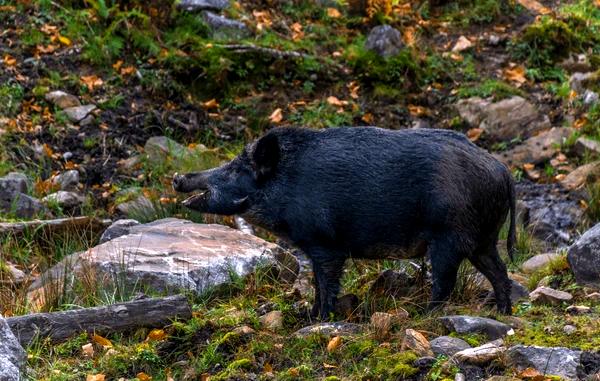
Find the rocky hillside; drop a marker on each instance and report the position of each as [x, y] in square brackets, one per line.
[102, 101]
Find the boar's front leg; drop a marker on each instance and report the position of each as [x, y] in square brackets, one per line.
[327, 268]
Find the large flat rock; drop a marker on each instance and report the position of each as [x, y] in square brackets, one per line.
[173, 254]
[12, 355]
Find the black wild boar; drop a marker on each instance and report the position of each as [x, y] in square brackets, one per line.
[366, 192]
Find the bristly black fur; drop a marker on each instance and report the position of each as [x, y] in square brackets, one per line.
[366, 192]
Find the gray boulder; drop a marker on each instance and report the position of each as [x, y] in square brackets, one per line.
[447, 345]
[536, 150]
[80, 114]
[557, 361]
[538, 262]
[547, 295]
[22, 205]
[224, 28]
[67, 181]
[462, 324]
[65, 199]
[139, 206]
[584, 258]
[585, 146]
[503, 120]
[12, 355]
[384, 40]
[173, 254]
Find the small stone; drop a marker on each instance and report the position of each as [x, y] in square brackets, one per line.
[578, 310]
[493, 40]
[569, 329]
[243, 330]
[579, 81]
[67, 180]
[594, 297]
[587, 173]
[223, 27]
[138, 206]
[330, 329]
[381, 323]
[462, 44]
[384, 40]
[481, 355]
[62, 100]
[447, 345]
[425, 362]
[16, 276]
[415, 341]
[460, 377]
[272, 321]
[538, 262]
[65, 199]
[12, 184]
[590, 98]
[203, 5]
[586, 146]
[547, 295]
[462, 324]
[79, 113]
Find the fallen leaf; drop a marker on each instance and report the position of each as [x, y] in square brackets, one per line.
[9, 60]
[276, 116]
[64, 40]
[211, 104]
[334, 101]
[294, 372]
[462, 44]
[334, 344]
[297, 32]
[408, 36]
[88, 350]
[515, 74]
[333, 13]
[48, 49]
[91, 81]
[535, 7]
[367, 118]
[95, 377]
[529, 372]
[143, 376]
[474, 134]
[268, 368]
[127, 70]
[417, 110]
[49, 29]
[353, 87]
[579, 123]
[528, 166]
[117, 65]
[103, 341]
[329, 366]
[157, 334]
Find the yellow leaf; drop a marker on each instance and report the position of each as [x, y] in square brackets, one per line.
[64, 40]
[334, 344]
[157, 335]
[276, 116]
[102, 341]
[143, 376]
[333, 13]
[94, 377]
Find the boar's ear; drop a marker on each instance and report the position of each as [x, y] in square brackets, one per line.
[265, 157]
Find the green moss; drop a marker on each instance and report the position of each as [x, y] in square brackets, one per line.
[490, 88]
[466, 12]
[557, 270]
[11, 96]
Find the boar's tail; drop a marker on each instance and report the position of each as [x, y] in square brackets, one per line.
[512, 233]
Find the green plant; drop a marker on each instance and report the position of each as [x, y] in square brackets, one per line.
[11, 95]
[490, 88]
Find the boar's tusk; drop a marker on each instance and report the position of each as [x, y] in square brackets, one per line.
[240, 201]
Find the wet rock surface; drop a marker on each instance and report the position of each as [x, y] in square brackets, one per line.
[447, 345]
[330, 329]
[537, 149]
[551, 212]
[203, 5]
[557, 361]
[462, 324]
[384, 40]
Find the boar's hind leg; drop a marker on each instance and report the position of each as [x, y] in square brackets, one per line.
[445, 260]
[489, 263]
[327, 268]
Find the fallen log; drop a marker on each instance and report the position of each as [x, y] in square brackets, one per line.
[122, 317]
[55, 225]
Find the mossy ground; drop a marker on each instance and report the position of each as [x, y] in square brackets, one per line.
[145, 63]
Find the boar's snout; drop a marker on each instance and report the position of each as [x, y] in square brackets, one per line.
[189, 182]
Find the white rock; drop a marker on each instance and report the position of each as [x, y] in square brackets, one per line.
[462, 44]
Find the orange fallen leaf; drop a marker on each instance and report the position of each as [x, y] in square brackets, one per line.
[95, 377]
[91, 81]
[276, 116]
[9, 60]
[268, 368]
[529, 373]
[211, 104]
[49, 29]
[117, 65]
[528, 166]
[353, 87]
[367, 118]
[128, 70]
[333, 13]
[334, 101]
[535, 7]
[408, 36]
[103, 341]
[294, 372]
[157, 335]
[579, 123]
[417, 110]
[334, 344]
[48, 49]
[515, 74]
[143, 376]
[474, 134]
[297, 32]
